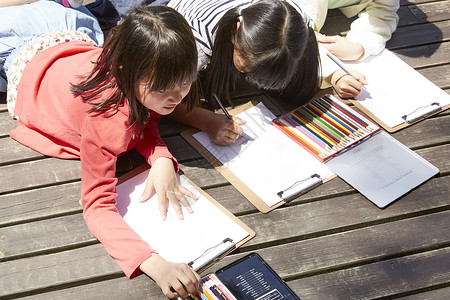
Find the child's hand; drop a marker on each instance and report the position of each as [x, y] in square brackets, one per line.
[341, 47]
[223, 131]
[174, 279]
[163, 181]
[347, 86]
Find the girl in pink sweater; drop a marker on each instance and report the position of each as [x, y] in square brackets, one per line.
[75, 100]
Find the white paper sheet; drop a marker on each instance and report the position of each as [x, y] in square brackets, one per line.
[264, 158]
[176, 240]
[394, 88]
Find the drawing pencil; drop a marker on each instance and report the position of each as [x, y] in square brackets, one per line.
[222, 107]
[338, 62]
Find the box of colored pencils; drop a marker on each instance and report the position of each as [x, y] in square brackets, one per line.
[325, 126]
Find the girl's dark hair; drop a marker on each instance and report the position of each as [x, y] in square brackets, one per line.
[154, 43]
[280, 51]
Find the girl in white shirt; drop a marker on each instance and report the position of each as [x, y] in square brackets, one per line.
[272, 44]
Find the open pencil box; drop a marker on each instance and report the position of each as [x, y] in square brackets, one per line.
[248, 278]
[325, 126]
[356, 149]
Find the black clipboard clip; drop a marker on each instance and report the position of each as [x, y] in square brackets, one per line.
[422, 112]
[299, 187]
[212, 254]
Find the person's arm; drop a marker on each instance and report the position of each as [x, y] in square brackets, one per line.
[347, 86]
[332, 75]
[174, 279]
[374, 26]
[368, 33]
[102, 140]
[220, 129]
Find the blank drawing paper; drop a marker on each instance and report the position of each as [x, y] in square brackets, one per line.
[395, 89]
[264, 158]
[176, 240]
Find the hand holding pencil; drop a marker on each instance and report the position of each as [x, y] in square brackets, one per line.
[346, 86]
[225, 129]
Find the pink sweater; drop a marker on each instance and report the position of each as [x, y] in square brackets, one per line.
[55, 123]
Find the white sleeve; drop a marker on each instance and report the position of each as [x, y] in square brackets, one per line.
[374, 26]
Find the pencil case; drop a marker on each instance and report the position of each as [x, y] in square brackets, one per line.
[247, 278]
[325, 126]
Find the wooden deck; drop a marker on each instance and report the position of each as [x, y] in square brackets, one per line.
[331, 243]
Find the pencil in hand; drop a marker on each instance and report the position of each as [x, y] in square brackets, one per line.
[222, 107]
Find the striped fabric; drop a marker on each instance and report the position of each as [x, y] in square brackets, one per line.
[203, 15]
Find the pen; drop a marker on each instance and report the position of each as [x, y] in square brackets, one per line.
[222, 107]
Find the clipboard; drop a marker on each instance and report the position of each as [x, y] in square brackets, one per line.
[396, 88]
[229, 234]
[415, 116]
[374, 163]
[247, 278]
[289, 189]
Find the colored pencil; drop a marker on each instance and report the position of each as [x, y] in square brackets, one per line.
[339, 125]
[299, 138]
[309, 138]
[352, 115]
[319, 114]
[316, 123]
[306, 132]
[342, 115]
[312, 128]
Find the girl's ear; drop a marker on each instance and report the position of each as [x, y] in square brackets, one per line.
[238, 23]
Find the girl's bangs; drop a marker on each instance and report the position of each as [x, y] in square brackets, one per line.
[273, 72]
[172, 69]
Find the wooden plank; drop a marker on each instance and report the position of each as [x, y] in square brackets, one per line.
[412, 14]
[410, 2]
[12, 152]
[6, 124]
[39, 203]
[431, 12]
[22, 277]
[284, 224]
[180, 149]
[428, 132]
[382, 279]
[425, 56]
[315, 256]
[341, 213]
[138, 288]
[44, 236]
[202, 173]
[437, 294]
[420, 35]
[39, 173]
[229, 197]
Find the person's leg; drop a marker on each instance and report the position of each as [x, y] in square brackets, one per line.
[20, 24]
[109, 12]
